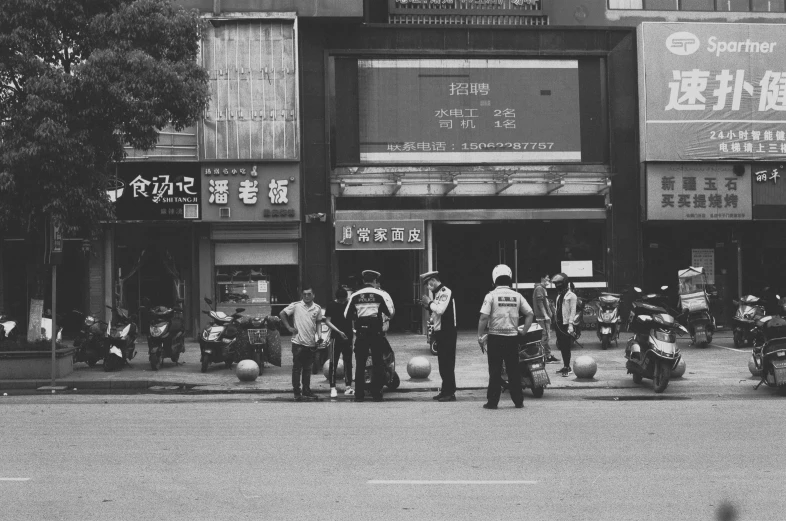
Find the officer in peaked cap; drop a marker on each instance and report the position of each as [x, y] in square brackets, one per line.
[366, 308]
[443, 315]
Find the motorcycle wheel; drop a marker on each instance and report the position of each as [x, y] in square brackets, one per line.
[661, 377]
[155, 362]
[205, 363]
[433, 348]
[606, 342]
[637, 378]
[92, 362]
[228, 364]
[175, 357]
[394, 382]
[537, 392]
[739, 340]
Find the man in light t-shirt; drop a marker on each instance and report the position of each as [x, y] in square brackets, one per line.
[306, 315]
[500, 312]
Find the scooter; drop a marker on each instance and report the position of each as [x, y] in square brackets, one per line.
[532, 361]
[770, 358]
[90, 342]
[652, 352]
[392, 380]
[120, 344]
[746, 331]
[695, 305]
[8, 329]
[608, 319]
[253, 339]
[166, 337]
[218, 341]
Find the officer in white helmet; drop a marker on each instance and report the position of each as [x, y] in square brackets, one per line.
[501, 310]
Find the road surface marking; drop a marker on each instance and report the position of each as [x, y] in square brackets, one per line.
[14, 479]
[732, 348]
[446, 482]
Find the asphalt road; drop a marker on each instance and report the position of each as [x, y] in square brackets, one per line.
[570, 455]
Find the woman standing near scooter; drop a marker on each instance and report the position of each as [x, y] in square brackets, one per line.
[566, 315]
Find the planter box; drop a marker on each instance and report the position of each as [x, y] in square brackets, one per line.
[35, 365]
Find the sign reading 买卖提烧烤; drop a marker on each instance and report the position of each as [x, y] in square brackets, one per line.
[697, 192]
[380, 235]
[469, 110]
[712, 91]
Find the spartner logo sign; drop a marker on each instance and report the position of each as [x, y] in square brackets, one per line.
[684, 43]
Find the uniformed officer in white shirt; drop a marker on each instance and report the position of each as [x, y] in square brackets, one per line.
[443, 313]
[500, 313]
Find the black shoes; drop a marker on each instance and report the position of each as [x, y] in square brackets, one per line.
[359, 399]
[377, 399]
[437, 397]
[489, 406]
[447, 398]
[519, 406]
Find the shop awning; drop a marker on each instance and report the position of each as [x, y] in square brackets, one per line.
[479, 214]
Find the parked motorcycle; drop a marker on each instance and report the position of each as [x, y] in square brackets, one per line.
[8, 329]
[608, 319]
[166, 336]
[392, 380]
[90, 342]
[218, 341]
[652, 352]
[46, 326]
[770, 358]
[695, 305]
[120, 346]
[253, 338]
[750, 309]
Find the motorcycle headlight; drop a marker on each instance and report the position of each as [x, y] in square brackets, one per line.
[158, 330]
[89, 321]
[227, 340]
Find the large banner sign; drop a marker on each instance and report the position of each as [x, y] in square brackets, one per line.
[469, 111]
[156, 191]
[712, 91]
[697, 192]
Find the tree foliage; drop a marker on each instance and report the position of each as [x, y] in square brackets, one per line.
[78, 80]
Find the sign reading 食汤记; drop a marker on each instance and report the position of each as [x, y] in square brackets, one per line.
[697, 192]
[380, 235]
[712, 91]
[469, 110]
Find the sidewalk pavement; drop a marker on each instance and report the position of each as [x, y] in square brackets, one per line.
[717, 365]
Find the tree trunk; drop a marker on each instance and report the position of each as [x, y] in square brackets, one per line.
[36, 287]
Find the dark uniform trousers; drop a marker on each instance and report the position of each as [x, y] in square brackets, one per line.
[504, 348]
[365, 343]
[446, 356]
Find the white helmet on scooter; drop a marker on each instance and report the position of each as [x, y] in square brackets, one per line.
[501, 270]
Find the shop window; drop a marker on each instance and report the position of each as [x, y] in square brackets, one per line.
[733, 5]
[768, 6]
[262, 290]
[661, 5]
[626, 4]
[697, 5]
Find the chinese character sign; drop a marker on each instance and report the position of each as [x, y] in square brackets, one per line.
[769, 191]
[469, 110]
[712, 91]
[380, 235]
[250, 192]
[156, 191]
[697, 192]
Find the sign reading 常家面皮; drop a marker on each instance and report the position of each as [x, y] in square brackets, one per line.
[155, 191]
[250, 192]
[468, 110]
[712, 91]
[697, 192]
[380, 235]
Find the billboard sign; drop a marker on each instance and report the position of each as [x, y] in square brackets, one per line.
[712, 91]
[153, 191]
[427, 111]
[697, 192]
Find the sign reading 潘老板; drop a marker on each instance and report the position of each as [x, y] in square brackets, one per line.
[469, 110]
[380, 235]
[697, 192]
[712, 91]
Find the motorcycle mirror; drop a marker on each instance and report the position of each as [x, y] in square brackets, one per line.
[778, 297]
[205, 312]
[239, 310]
[664, 288]
[209, 302]
[637, 289]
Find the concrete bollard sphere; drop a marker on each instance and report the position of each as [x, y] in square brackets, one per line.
[339, 369]
[247, 371]
[678, 371]
[585, 367]
[752, 367]
[419, 367]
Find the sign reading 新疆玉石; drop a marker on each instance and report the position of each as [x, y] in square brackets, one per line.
[712, 91]
[380, 235]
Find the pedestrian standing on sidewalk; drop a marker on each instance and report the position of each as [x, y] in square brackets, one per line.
[566, 315]
[342, 342]
[306, 315]
[544, 314]
[366, 309]
[443, 313]
[501, 310]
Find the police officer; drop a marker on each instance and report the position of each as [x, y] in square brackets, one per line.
[443, 313]
[500, 312]
[366, 308]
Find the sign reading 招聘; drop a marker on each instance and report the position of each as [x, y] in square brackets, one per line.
[380, 235]
[697, 192]
[712, 91]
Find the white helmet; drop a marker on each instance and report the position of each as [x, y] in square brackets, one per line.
[501, 270]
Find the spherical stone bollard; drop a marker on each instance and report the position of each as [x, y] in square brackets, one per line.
[752, 367]
[678, 371]
[339, 369]
[585, 367]
[419, 367]
[247, 371]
